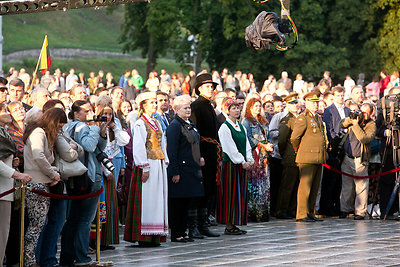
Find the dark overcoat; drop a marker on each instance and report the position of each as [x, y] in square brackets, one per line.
[183, 148]
[203, 116]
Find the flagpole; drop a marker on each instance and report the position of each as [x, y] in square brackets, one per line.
[37, 66]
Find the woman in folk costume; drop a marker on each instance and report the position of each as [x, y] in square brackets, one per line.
[147, 214]
[232, 194]
[116, 138]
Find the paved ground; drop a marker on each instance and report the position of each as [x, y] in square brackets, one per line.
[333, 242]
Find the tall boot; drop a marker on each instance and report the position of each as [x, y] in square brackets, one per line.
[203, 225]
[192, 224]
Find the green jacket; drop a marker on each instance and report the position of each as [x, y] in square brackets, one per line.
[286, 150]
[138, 82]
[309, 139]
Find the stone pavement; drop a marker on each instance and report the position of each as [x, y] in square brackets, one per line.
[333, 242]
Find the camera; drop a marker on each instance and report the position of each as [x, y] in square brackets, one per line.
[390, 106]
[356, 115]
[102, 157]
[99, 118]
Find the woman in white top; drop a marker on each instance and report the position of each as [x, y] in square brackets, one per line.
[116, 139]
[152, 83]
[232, 193]
[147, 214]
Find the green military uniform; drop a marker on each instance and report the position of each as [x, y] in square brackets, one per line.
[287, 196]
[309, 142]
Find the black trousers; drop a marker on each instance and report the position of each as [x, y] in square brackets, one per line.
[13, 245]
[197, 214]
[331, 187]
[178, 209]
[386, 185]
[287, 197]
[275, 180]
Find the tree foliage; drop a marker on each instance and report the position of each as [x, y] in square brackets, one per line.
[150, 27]
[389, 34]
[342, 36]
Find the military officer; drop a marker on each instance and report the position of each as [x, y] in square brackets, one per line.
[309, 142]
[287, 196]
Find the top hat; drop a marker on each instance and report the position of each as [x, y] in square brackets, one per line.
[312, 96]
[203, 79]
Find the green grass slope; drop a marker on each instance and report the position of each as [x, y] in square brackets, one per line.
[115, 66]
[82, 28]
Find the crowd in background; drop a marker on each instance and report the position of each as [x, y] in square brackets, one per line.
[161, 133]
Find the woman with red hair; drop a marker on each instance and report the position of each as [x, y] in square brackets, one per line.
[257, 132]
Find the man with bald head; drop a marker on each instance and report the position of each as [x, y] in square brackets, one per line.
[286, 81]
[357, 94]
[39, 97]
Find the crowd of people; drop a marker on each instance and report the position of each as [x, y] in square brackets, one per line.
[177, 154]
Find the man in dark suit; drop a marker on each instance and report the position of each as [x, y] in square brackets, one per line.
[331, 181]
[203, 116]
[16, 92]
[286, 81]
[309, 143]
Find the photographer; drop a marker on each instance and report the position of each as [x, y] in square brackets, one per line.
[357, 154]
[75, 236]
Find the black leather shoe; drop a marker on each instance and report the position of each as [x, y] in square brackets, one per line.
[306, 219]
[195, 234]
[343, 215]
[189, 239]
[312, 217]
[358, 217]
[179, 239]
[208, 233]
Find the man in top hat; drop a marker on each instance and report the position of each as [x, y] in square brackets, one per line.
[287, 195]
[309, 142]
[204, 117]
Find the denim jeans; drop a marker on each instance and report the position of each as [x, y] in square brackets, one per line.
[46, 248]
[76, 233]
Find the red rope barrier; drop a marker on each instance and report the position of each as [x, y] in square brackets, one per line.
[361, 177]
[12, 190]
[65, 197]
[219, 156]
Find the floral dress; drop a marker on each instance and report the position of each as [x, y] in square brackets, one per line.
[258, 175]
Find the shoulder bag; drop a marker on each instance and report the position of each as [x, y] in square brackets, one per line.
[80, 184]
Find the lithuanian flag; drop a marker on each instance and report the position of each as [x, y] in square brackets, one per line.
[45, 60]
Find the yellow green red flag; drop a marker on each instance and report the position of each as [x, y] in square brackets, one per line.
[45, 60]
